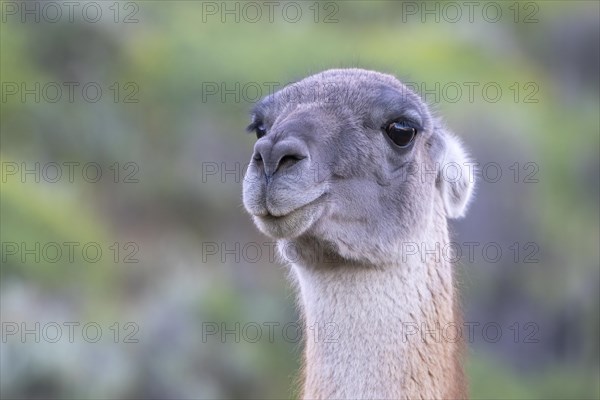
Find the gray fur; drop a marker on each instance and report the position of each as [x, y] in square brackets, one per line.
[345, 185]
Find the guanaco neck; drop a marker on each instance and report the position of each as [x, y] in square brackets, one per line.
[388, 332]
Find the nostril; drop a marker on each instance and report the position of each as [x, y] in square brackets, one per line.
[257, 157]
[281, 155]
[290, 159]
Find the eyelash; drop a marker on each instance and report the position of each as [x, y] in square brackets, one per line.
[252, 127]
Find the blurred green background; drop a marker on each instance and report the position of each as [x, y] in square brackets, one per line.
[179, 255]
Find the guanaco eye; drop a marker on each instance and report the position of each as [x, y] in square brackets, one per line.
[260, 130]
[257, 127]
[401, 133]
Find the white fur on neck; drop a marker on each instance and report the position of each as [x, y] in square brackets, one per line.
[360, 330]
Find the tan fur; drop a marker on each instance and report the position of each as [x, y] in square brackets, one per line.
[382, 299]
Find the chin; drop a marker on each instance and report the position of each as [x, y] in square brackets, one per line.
[289, 226]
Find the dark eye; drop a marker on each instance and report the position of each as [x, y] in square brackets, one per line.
[401, 133]
[258, 127]
[260, 130]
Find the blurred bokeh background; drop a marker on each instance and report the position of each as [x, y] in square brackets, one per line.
[129, 267]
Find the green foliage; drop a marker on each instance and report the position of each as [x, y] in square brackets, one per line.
[173, 129]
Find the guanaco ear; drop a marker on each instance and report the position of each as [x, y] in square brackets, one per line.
[456, 176]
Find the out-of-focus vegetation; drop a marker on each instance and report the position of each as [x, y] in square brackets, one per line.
[171, 210]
